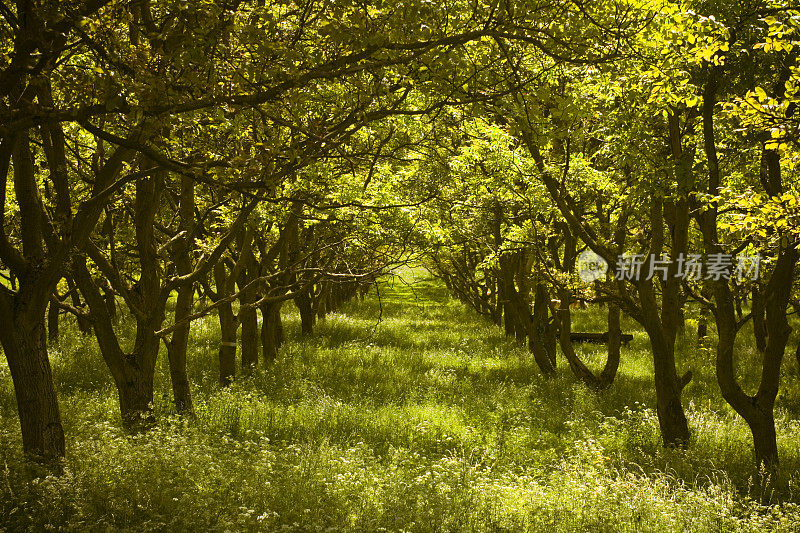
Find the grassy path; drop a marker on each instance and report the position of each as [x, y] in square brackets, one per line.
[425, 420]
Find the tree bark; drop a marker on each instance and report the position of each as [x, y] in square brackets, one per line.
[228, 327]
[702, 326]
[248, 317]
[538, 344]
[135, 388]
[181, 387]
[178, 344]
[39, 269]
[37, 403]
[671, 417]
[307, 314]
[250, 334]
[756, 410]
[614, 340]
[517, 312]
[271, 331]
[111, 300]
[225, 280]
[227, 345]
[509, 323]
[759, 321]
[84, 325]
[177, 350]
[324, 301]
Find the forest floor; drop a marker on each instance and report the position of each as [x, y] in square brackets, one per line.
[404, 413]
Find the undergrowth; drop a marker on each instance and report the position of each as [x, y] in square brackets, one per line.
[425, 420]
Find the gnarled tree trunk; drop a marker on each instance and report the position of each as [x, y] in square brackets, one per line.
[769, 308]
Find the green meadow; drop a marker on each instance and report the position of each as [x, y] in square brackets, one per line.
[404, 412]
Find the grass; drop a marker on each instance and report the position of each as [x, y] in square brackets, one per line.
[425, 420]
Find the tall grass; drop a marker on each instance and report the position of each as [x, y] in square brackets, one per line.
[425, 420]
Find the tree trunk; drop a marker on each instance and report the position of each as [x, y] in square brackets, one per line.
[181, 388]
[111, 301]
[248, 317]
[671, 417]
[496, 310]
[280, 338]
[759, 320]
[307, 314]
[660, 319]
[179, 342]
[134, 375]
[509, 323]
[756, 410]
[249, 320]
[135, 391]
[738, 301]
[517, 312]
[537, 342]
[176, 352]
[270, 331]
[577, 366]
[227, 324]
[227, 345]
[39, 269]
[778, 332]
[614, 340]
[550, 339]
[325, 303]
[138, 367]
[770, 321]
[39, 415]
[84, 326]
[177, 347]
[133, 372]
[765, 442]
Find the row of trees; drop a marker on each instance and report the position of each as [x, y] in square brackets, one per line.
[154, 151]
[685, 145]
[159, 151]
